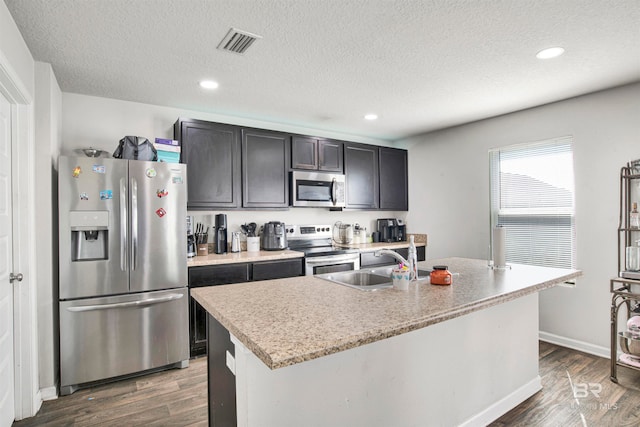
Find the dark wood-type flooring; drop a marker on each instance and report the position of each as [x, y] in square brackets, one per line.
[179, 398]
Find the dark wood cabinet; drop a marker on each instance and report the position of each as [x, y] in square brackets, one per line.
[311, 153]
[268, 270]
[265, 163]
[304, 153]
[394, 179]
[212, 154]
[212, 275]
[330, 155]
[362, 176]
[232, 167]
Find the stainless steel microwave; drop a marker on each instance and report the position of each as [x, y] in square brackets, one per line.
[317, 189]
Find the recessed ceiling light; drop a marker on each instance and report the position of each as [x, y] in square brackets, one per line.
[371, 116]
[551, 52]
[208, 84]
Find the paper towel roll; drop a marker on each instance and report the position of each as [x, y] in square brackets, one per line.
[499, 243]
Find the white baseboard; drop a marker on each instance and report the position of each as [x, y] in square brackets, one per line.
[49, 393]
[504, 405]
[585, 347]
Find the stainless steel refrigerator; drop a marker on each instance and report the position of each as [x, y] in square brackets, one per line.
[123, 271]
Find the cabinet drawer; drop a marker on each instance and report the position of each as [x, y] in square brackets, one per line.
[277, 269]
[218, 275]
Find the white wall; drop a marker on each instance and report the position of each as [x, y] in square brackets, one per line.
[48, 128]
[101, 123]
[449, 194]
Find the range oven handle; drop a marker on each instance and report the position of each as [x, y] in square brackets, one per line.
[139, 303]
[332, 258]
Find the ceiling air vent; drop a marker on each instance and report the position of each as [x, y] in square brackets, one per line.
[238, 41]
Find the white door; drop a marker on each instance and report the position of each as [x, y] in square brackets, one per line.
[7, 409]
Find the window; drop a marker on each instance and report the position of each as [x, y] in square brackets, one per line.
[532, 196]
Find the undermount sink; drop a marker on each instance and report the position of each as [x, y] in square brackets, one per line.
[358, 279]
[366, 280]
[386, 271]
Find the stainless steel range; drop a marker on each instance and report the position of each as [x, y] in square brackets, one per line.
[321, 255]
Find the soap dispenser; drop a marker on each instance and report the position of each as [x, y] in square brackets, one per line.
[413, 258]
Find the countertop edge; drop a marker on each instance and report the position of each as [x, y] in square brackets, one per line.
[415, 325]
[373, 336]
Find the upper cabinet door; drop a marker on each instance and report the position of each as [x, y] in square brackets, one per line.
[310, 153]
[212, 154]
[330, 155]
[265, 161]
[361, 170]
[394, 185]
[304, 153]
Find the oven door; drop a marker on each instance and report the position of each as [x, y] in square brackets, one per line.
[331, 263]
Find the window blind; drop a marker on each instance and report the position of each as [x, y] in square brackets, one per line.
[532, 196]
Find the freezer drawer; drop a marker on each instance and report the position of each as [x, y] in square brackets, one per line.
[102, 338]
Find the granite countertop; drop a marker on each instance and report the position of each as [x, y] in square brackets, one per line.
[288, 321]
[244, 256]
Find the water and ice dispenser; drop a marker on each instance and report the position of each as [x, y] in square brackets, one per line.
[89, 235]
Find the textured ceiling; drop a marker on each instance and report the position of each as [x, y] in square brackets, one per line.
[323, 64]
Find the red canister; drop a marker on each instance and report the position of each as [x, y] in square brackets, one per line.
[440, 275]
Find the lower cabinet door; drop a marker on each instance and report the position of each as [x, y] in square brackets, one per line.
[197, 329]
[278, 269]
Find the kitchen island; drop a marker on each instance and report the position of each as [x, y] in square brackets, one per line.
[305, 351]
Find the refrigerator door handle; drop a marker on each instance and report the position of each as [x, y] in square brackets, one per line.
[139, 303]
[134, 223]
[123, 224]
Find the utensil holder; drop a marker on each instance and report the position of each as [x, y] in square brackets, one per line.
[203, 249]
[253, 244]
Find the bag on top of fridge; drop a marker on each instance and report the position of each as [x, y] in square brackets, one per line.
[135, 148]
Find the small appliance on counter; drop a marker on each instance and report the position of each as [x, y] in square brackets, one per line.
[342, 233]
[235, 241]
[273, 236]
[221, 233]
[391, 230]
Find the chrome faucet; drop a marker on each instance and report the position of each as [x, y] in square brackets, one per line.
[397, 256]
[394, 254]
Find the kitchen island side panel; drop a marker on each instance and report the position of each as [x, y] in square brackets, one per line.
[465, 371]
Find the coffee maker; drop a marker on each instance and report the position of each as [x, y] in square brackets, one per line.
[391, 230]
[221, 234]
[191, 240]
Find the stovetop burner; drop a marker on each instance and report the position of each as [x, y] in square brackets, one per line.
[314, 240]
